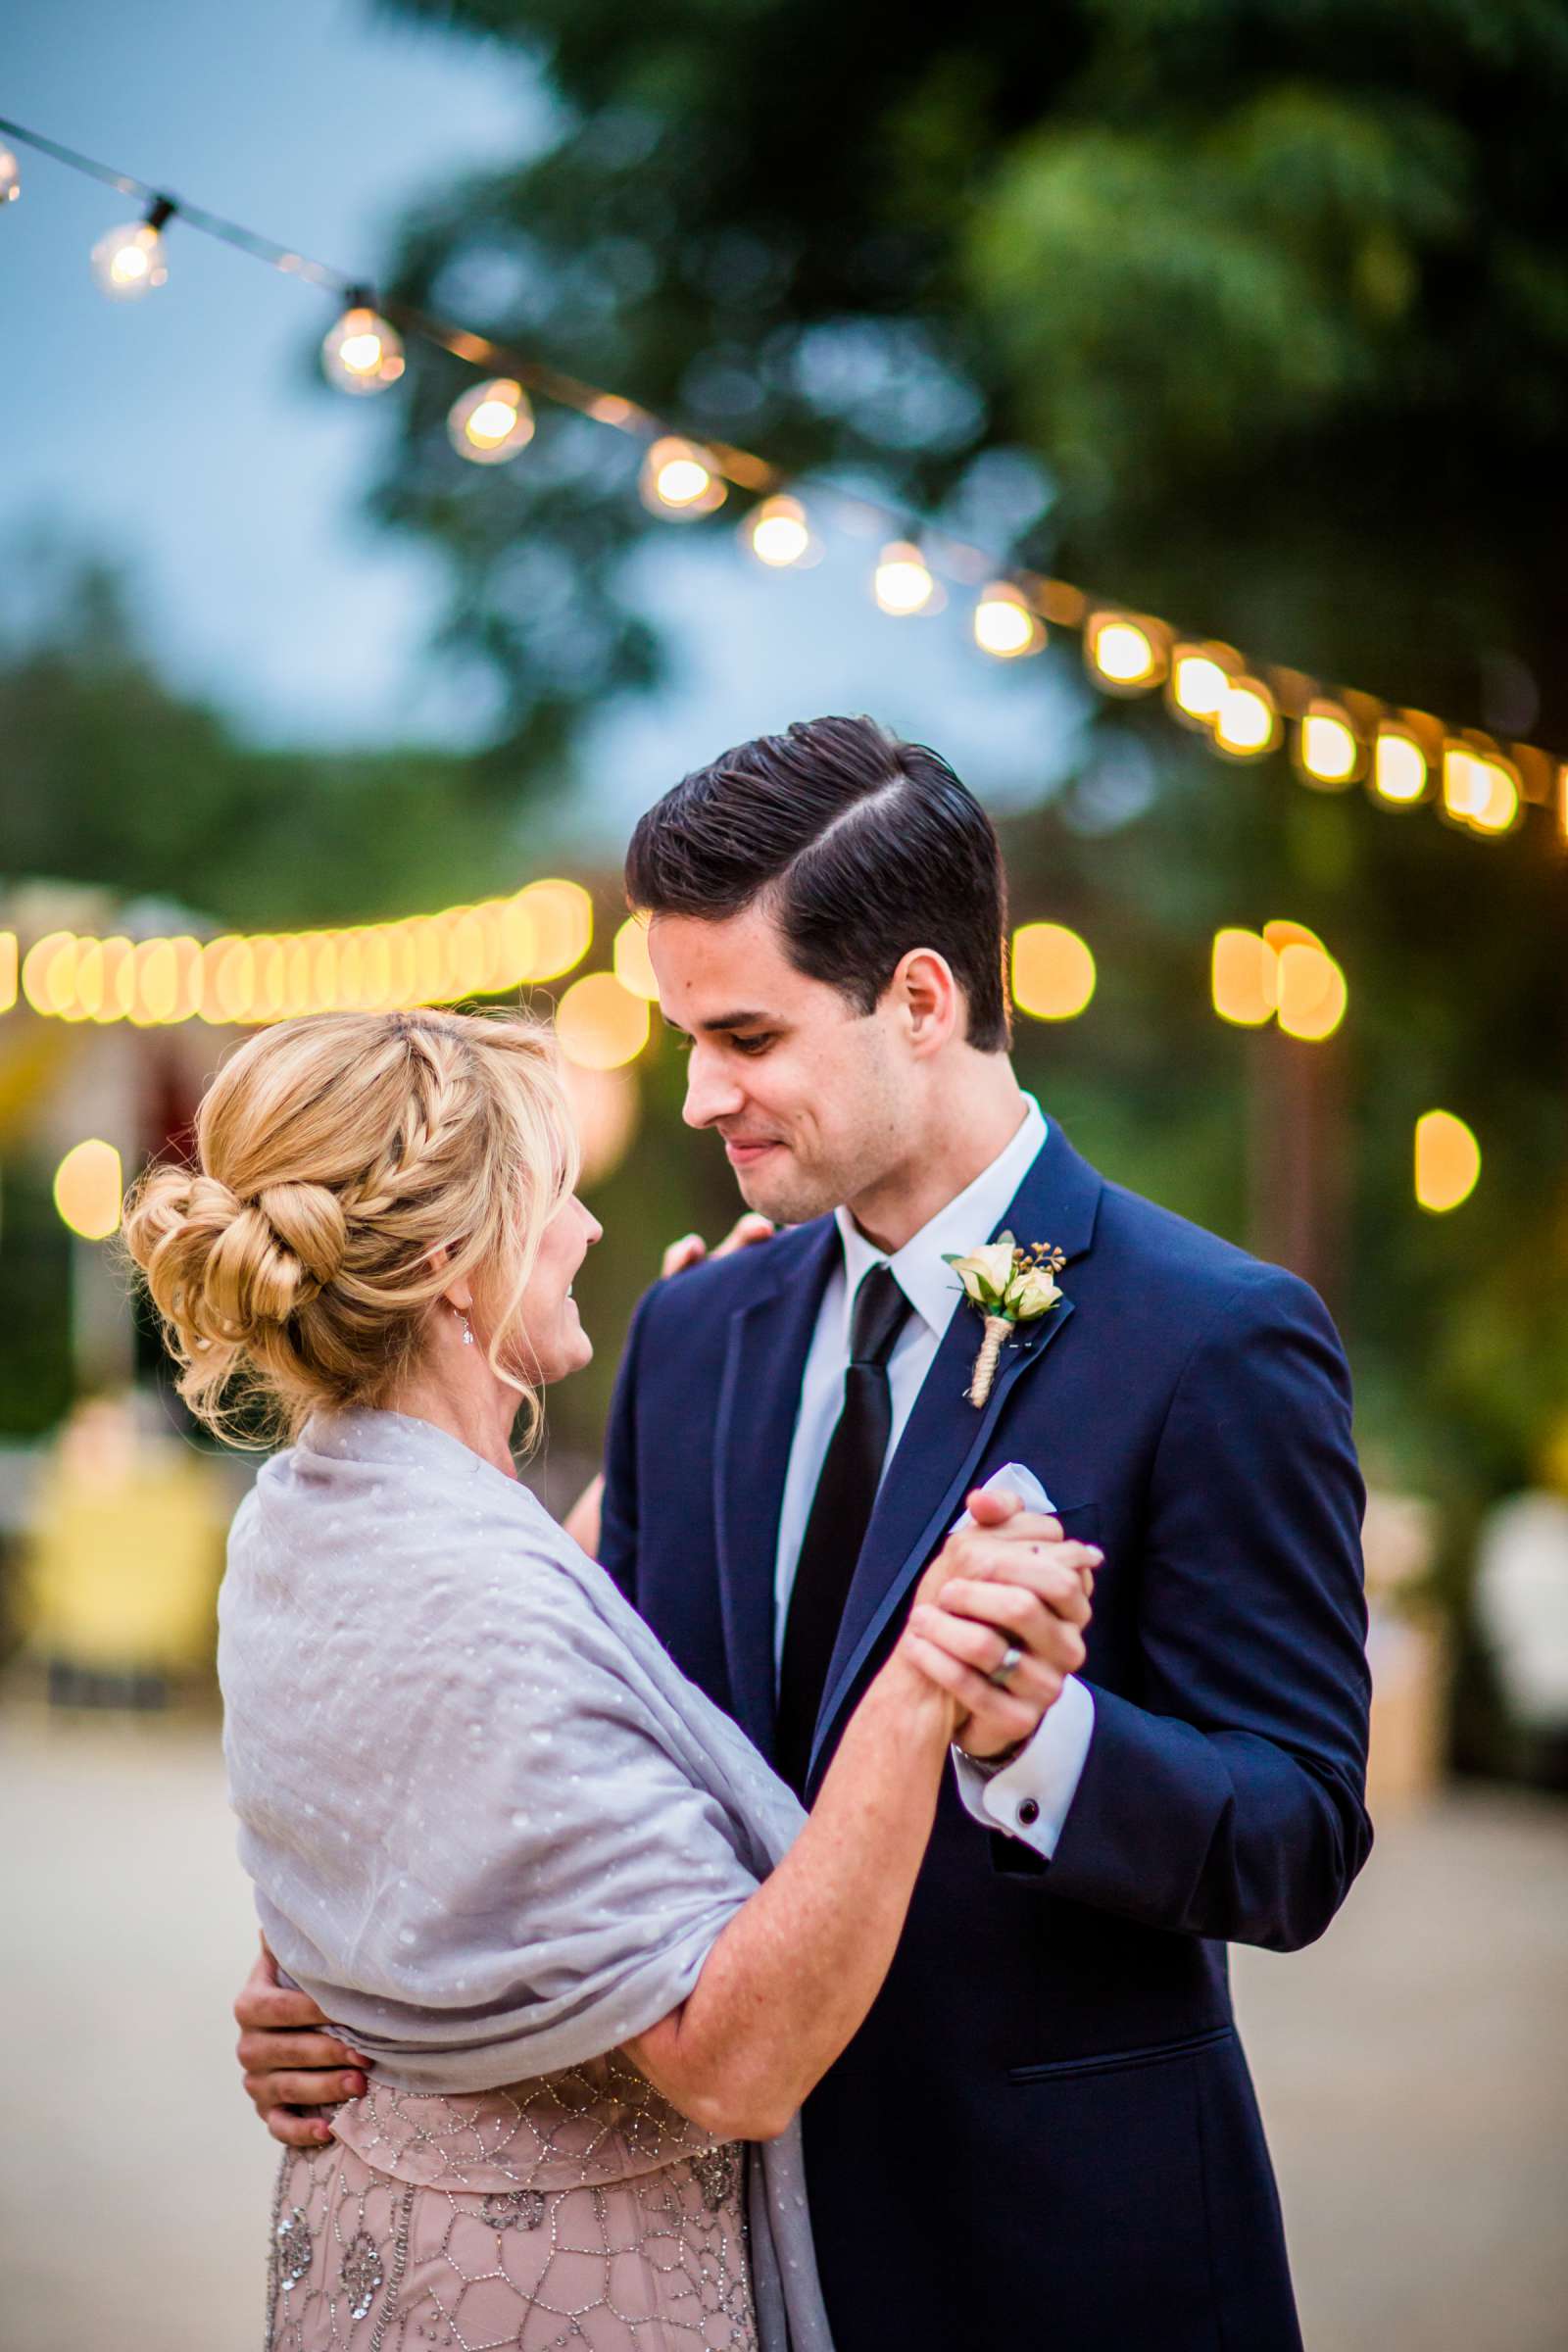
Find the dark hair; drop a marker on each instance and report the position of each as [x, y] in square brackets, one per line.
[868, 847]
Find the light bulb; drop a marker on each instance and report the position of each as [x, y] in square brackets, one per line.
[1197, 682]
[128, 262]
[491, 423]
[1398, 768]
[10, 176]
[680, 480]
[778, 533]
[1327, 750]
[361, 353]
[903, 583]
[1004, 625]
[1246, 723]
[1124, 653]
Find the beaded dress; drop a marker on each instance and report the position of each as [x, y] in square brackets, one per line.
[579, 2213]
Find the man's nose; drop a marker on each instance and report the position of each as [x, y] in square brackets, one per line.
[710, 1093]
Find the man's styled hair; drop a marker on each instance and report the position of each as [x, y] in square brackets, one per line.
[861, 845]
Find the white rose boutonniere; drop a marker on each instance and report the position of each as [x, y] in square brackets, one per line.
[1009, 1286]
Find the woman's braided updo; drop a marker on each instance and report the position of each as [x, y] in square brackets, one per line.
[349, 1170]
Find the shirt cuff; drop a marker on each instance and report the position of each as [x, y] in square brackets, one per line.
[1031, 1797]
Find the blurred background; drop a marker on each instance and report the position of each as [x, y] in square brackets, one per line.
[1152, 407]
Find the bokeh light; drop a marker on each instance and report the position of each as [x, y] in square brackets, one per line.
[903, 582]
[1052, 971]
[1328, 750]
[10, 176]
[491, 423]
[1448, 1161]
[682, 480]
[1398, 768]
[601, 1024]
[361, 353]
[1004, 625]
[633, 968]
[1199, 678]
[1244, 978]
[89, 1186]
[778, 533]
[128, 262]
[1313, 993]
[1122, 653]
[1246, 723]
[10, 970]
[606, 1110]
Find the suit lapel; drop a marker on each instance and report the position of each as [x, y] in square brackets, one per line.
[946, 1435]
[770, 1339]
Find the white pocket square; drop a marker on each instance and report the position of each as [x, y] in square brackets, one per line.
[1014, 1477]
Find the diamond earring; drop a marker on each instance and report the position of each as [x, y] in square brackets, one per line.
[468, 1328]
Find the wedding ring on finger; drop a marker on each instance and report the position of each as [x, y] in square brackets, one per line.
[1007, 1666]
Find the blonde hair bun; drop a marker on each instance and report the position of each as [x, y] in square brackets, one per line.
[348, 1168]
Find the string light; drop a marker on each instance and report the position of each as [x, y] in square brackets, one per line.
[1123, 653]
[1199, 678]
[540, 933]
[89, 1186]
[128, 262]
[1398, 768]
[1052, 971]
[1004, 625]
[360, 352]
[490, 424]
[679, 479]
[778, 533]
[1328, 750]
[1246, 723]
[1478, 789]
[903, 583]
[1448, 1161]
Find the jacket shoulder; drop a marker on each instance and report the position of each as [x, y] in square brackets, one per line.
[711, 1291]
[1188, 1266]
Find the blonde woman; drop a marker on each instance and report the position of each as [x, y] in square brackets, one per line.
[587, 1947]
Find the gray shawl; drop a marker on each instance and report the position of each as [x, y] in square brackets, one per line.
[493, 1829]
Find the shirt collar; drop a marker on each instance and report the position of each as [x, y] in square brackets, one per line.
[969, 1219]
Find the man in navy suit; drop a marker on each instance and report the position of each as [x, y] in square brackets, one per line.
[1044, 2133]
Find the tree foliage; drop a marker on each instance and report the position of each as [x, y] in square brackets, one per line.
[1273, 291]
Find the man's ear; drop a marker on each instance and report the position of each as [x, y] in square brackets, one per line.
[928, 996]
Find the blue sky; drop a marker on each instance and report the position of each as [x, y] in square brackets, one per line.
[183, 435]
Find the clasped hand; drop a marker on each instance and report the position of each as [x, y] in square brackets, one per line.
[1010, 1581]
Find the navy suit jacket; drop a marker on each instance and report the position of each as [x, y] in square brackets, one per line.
[1044, 2133]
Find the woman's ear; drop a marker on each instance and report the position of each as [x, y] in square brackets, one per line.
[460, 1292]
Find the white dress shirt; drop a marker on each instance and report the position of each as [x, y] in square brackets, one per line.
[1029, 1797]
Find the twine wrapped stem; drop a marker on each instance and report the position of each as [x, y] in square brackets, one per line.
[998, 1328]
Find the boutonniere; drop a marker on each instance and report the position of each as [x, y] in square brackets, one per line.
[1009, 1286]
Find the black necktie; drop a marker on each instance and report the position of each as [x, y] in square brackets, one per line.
[841, 1511]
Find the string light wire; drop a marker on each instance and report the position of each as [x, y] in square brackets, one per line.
[1531, 773]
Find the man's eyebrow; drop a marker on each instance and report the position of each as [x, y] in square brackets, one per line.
[725, 1021]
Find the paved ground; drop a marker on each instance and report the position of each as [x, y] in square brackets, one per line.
[1413, 2068]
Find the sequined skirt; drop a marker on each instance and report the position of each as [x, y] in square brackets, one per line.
[463, 2243]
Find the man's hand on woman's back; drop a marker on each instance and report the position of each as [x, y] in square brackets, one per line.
[291, 2058]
